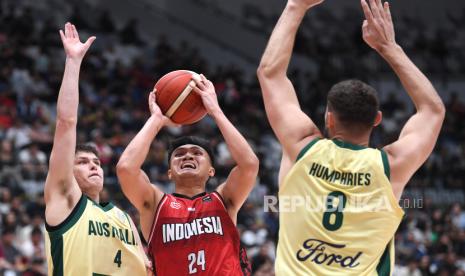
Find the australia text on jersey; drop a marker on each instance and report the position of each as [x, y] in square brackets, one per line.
[184, 231]
[104, 229]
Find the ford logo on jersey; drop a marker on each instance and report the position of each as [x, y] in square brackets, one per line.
[315, 251]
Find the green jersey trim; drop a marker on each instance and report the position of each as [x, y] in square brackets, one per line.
[306, 148]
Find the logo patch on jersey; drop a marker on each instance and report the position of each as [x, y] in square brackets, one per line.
[207, 199]
[175, 205]
[315, 251]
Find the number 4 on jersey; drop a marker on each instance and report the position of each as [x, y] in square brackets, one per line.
[196, 259]
[117, 259]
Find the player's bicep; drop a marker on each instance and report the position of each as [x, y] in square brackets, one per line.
[60, 178]
[290, 124]
[416, 142]
[137, 188]
[238, 186]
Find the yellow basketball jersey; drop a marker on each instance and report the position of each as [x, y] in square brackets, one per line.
[93, 240]
[338, 214]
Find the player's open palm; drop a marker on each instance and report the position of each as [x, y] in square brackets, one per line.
[206, 90]
[306, 3]
[378, 29]
[74, 48]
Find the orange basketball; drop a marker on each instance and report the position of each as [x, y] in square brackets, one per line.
[176, 99]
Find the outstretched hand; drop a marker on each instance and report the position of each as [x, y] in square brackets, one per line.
[206, 90]
[378, 29]
[74, 48]
[156, 111]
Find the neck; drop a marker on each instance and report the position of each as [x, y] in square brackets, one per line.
[190, 192]
[361, 140]
[93, 196]
[189, 187]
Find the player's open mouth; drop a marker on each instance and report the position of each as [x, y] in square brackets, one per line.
[188, 165]
[94, 174]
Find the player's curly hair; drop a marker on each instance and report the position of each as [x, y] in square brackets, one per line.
[354, 103]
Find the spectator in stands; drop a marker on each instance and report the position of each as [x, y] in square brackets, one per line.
[11, 254]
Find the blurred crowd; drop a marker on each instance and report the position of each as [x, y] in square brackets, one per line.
[121, 68]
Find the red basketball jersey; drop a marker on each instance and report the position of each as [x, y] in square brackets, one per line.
[195, 236]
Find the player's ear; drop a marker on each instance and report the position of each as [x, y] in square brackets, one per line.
[211, 172]
[378, 119]
[169, 174]
[329, 119]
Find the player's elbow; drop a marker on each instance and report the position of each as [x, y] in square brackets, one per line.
[265, 71]
[124, 167]
[440, 110]
[437, 111]
[251, 164]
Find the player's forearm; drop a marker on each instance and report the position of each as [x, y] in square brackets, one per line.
[277, 55]
[417, 85]
[68, 97]
[240, 150]
[135, 153]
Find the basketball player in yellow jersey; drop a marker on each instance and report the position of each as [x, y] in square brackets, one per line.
[85, 237]
[340, 196]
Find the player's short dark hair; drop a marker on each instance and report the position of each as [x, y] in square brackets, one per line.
[354, 103]
[174, 144]
[87, 148]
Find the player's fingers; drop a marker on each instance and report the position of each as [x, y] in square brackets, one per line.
[67, 31]
[379, 6]
[62, 35]
[89, 41]
[203, 78]
[197, 90]
[387, 10]
[199, 83]
[75, 32]
[375, 20]
[210, 84]
[365, 25]
[374, 9]
[367, 11]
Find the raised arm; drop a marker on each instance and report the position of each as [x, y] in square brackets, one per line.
[419, 135]
[134, 182]
[61, 189]
[293, 127]
[242, 177]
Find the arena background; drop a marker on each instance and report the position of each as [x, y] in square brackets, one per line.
[138, 41]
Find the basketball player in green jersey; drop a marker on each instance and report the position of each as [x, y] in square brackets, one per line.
[351, 232]
[84, 237]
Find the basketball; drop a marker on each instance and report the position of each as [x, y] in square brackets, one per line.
[176, 99]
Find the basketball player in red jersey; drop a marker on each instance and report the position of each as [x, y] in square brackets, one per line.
[191, 231]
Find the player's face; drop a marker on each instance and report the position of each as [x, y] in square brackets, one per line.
[190, 160]
[87, 171]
